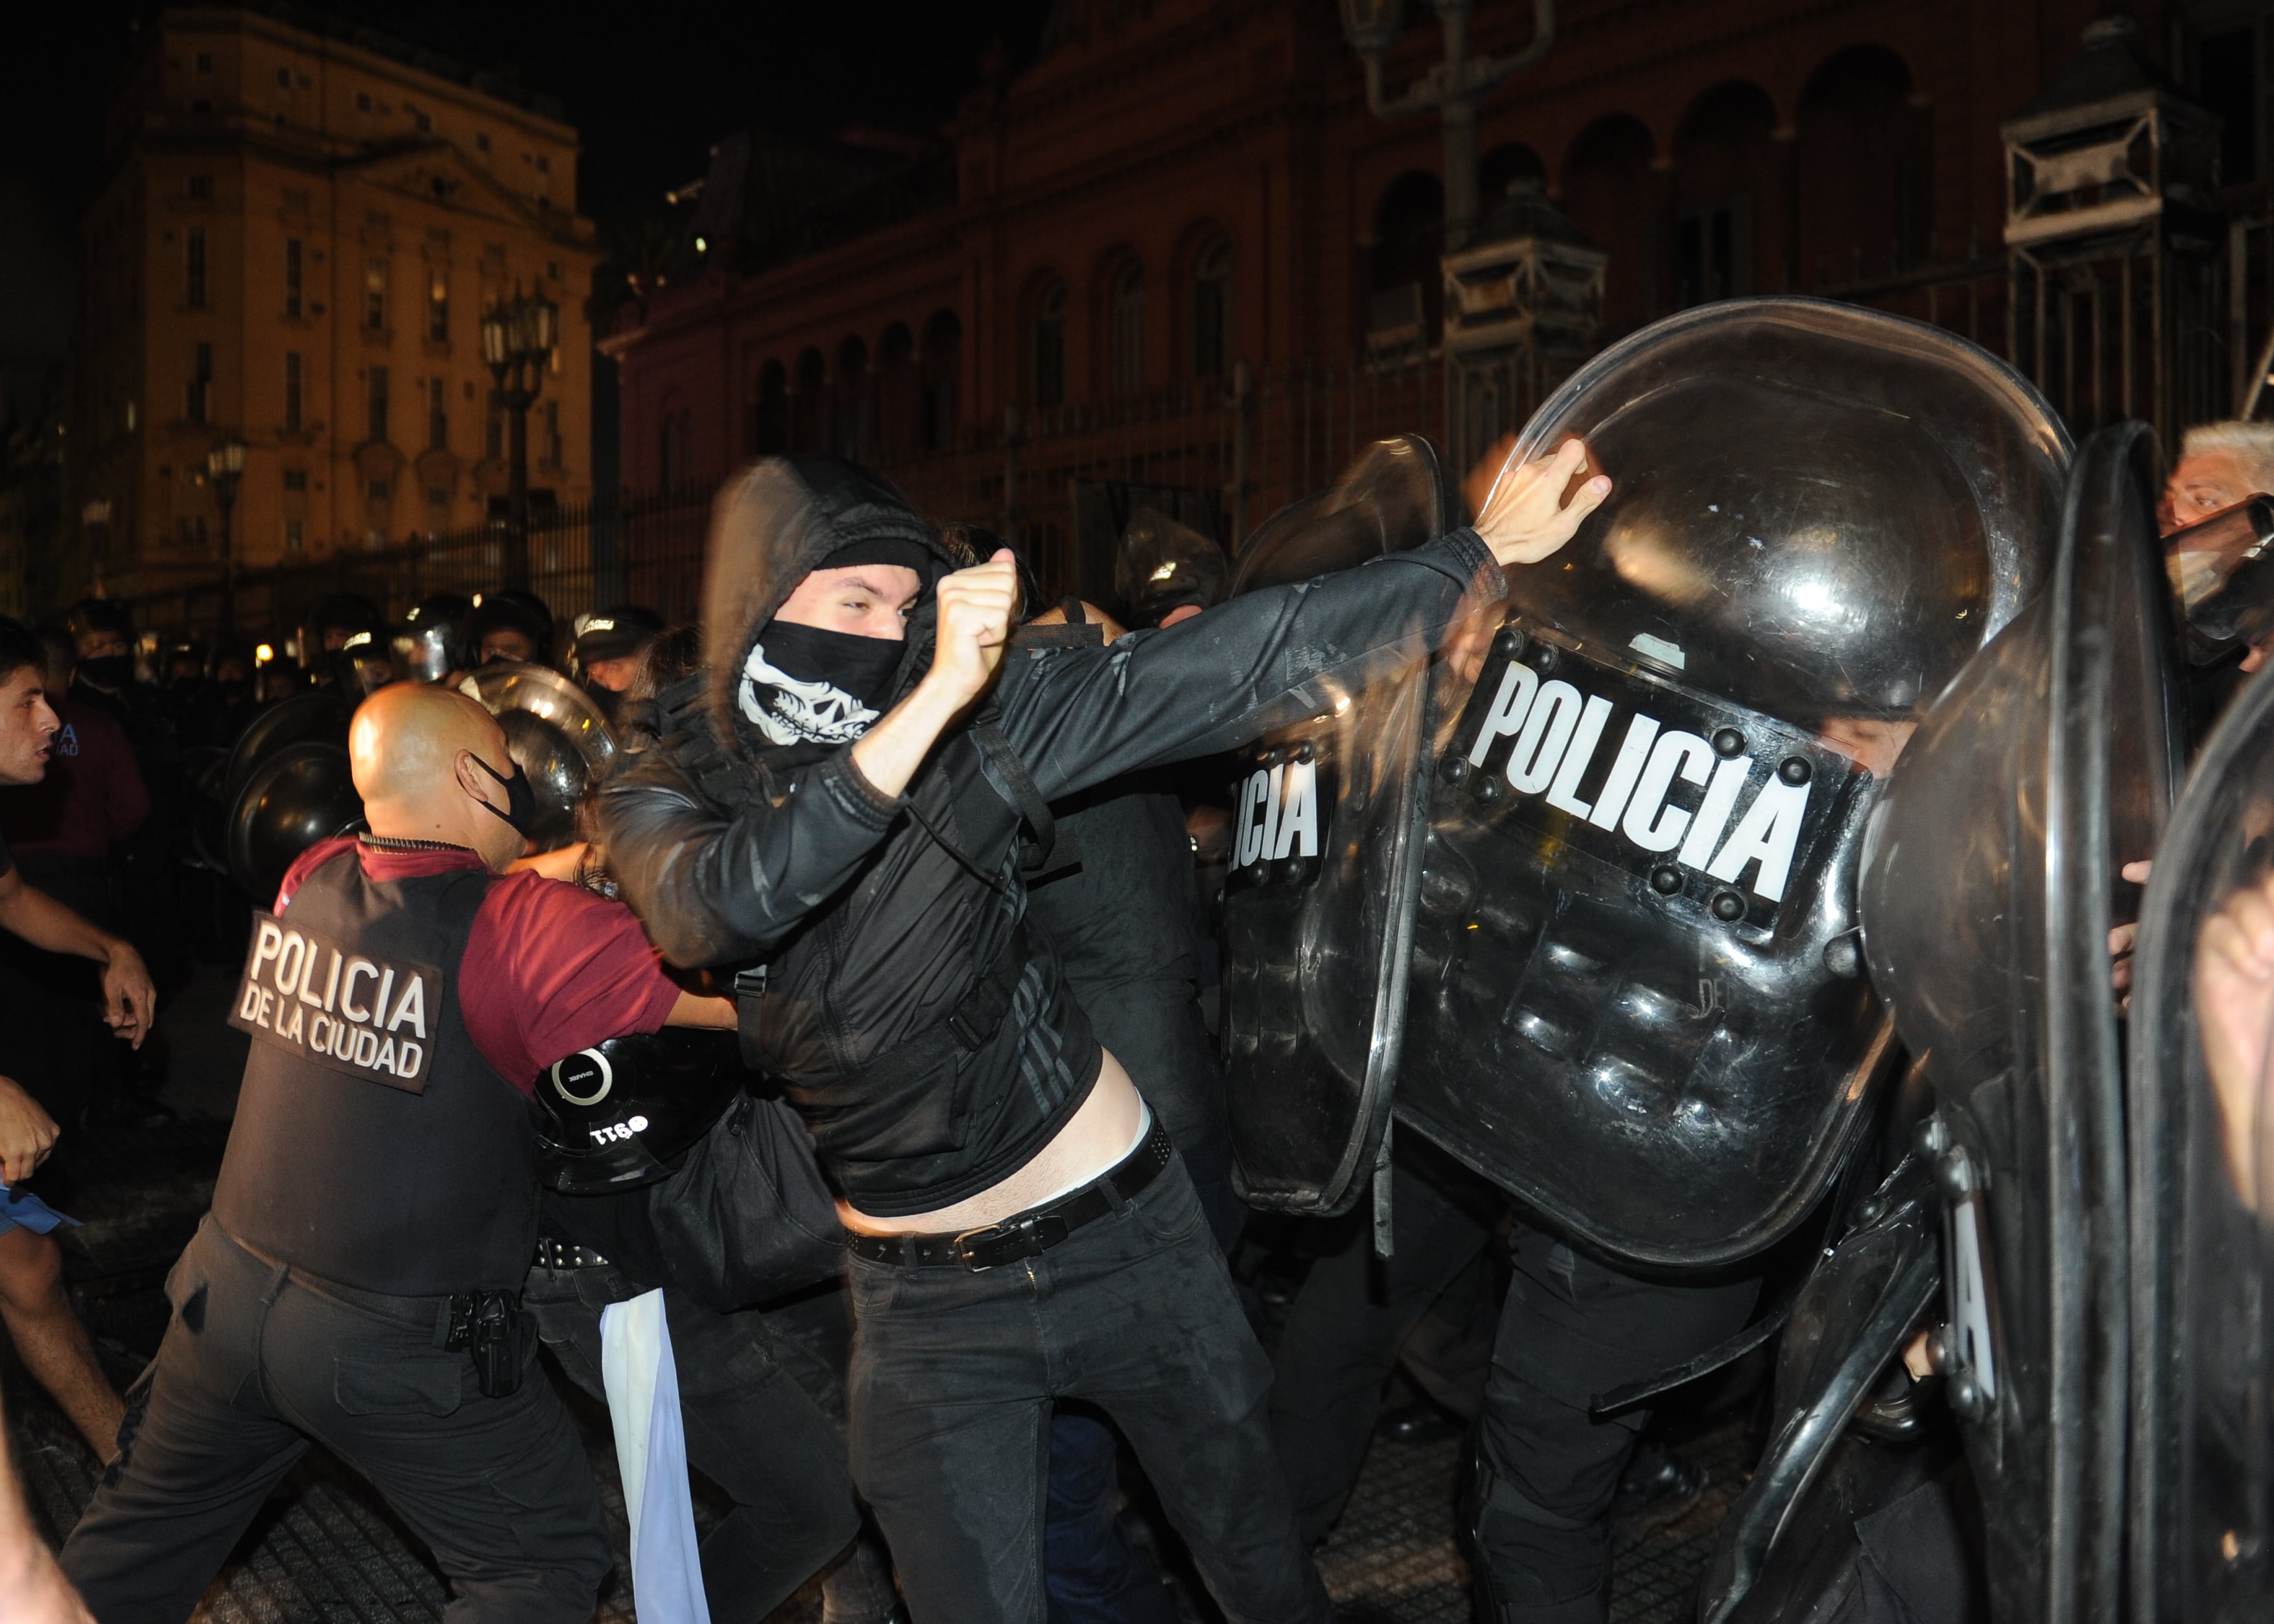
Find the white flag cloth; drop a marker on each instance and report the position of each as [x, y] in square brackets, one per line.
[643, 1387]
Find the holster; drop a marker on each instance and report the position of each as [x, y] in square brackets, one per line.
[497, 1335]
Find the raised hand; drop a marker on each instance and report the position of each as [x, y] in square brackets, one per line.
[1528, 517]
[977, 607]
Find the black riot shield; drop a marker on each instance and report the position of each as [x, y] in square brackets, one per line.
[1324, 865]
[2201, 1463]
[1636, 999]
[1991, 884]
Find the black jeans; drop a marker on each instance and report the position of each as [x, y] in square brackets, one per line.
[954, 1375]
[1357, 1315]
[1573, 1327]
[256, 1365]
[757, 1409]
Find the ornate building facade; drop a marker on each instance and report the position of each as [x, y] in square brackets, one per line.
[1183, 212]
[295, 246]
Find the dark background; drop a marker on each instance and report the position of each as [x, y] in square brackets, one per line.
[649, 87]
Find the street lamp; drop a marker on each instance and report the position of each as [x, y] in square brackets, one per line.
[517, 339]
[225, 466]
[96, 517]
[1455, 88]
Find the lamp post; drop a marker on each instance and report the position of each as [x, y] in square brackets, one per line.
[96, 517]
[225, 466]
[517, 339]
[1455, 88]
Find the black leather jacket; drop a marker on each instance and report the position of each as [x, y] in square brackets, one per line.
[876, 923]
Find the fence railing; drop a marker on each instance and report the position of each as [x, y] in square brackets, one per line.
[1221, 456]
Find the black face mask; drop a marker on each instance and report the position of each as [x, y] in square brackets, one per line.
[108, 670]
[802, 683]
[520, 799]
[606, 700]
[235, 693]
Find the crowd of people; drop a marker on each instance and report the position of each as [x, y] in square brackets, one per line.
[926, 846]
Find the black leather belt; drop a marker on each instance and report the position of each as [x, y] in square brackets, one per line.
[552, 1255]
[1029, 1234]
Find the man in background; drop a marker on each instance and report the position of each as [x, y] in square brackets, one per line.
[48, 1337]
[67, 833]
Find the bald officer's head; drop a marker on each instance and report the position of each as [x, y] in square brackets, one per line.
[431, 764]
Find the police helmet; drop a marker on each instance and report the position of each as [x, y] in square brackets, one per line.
[613, 1117]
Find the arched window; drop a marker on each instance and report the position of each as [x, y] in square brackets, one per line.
[899, 393]
[850, 391]
[1212, 310]
[807, 423]
[1864, 162]
[1612, 193]
[942, 364]
[769, 432]
[1728, 179]
[1408, 290]
[1125, 346]
[1050, 347]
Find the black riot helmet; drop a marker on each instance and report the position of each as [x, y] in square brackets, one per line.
[621, 632]
[516, 610]
[612, 1117]
[430, 642]
[1163, 566]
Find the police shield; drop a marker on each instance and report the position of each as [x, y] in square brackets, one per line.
[556, 735]
[1324, 864]
[1991, 882]
[1636, 999]
[2201, 1460]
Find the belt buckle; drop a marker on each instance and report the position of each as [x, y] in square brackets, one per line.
[1038, 1232]
[963, 1252]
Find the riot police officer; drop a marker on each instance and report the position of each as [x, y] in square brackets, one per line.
[356, 1284]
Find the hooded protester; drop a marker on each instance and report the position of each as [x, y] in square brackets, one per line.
[854, 806]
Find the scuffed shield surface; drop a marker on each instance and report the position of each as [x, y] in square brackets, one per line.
[2202, 1458]
[1991, 884]
[1324, 865]
[556, 734]
[1637, 1000]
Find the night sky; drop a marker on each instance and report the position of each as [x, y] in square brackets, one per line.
[649, 86]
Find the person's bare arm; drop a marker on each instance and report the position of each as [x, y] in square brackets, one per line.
[129, 1000]
[561, 863]
[976, 608]
[695, 1009]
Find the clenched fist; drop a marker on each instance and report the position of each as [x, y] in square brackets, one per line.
[1527, 516]
[976, 607]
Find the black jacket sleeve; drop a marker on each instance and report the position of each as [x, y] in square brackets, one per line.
[712, 890]
[1262, 661]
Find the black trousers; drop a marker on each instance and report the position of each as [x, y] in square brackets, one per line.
[1430, 1303]
[954, 1376]
[257, 1365]
[1573, 1327]
[756, 1408]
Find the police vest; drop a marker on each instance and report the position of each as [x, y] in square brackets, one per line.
[373, 1145]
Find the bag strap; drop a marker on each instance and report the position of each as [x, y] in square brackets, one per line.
[1008, 774]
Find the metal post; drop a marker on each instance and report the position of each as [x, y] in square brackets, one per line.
[517, 501]
[225, 500]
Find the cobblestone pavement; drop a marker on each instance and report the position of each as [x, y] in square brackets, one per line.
[326, 1549]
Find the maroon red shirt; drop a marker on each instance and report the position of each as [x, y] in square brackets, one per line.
[92, 800]
[550, 968]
